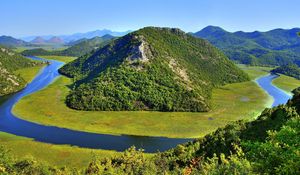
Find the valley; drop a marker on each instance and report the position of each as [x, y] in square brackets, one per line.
[149, 87]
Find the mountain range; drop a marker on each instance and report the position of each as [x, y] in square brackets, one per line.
[52, 40]
[77, 48]
[77, 36]
[9, 41]
[274, 47]
[153, 68]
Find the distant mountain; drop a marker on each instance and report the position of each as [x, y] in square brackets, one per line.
[55, 40]
[92, 34]
[52, 40]
[275, 47]
[9, 41]
[38, 40]
[78, 36]
[153, 68]
[79, 48]
[9, 62]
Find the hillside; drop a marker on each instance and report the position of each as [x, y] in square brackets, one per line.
[87, 46]
[78, 49]
[289, 70]
[151, 69]
[10, 62]
[9, 41]
[275, 47]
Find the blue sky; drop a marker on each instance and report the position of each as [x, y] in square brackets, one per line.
[41, 17]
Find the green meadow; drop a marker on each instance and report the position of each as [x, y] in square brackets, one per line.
[255, 71]
[29, 73]
[286, 83]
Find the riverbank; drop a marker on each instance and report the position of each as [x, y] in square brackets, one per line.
[55, 155]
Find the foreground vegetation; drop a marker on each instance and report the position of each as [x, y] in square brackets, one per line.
[53, 155]
[267, 145]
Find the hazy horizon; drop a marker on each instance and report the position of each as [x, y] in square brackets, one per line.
[56, 17]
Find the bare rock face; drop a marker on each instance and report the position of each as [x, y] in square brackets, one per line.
[140, 52]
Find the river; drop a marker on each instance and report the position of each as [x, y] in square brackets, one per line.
[49, 134]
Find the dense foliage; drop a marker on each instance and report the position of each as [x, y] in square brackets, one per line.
[275, 47]
[10, 62]
[289, 70]
[267, 145]
[151, 69]
[77, 49]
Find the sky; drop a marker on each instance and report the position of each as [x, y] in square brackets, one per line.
[21, 18]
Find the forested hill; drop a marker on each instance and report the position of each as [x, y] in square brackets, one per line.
[151, 69]
[275, 47]
[10, 62]
[77, 49]
[87, 46]
[289, 70]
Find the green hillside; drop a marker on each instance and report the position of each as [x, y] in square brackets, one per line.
[151, 69]
[10, 62]
[291, 70]
[275, 47]
[87, 46]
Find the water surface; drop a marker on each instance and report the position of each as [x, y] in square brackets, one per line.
[279, 96]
